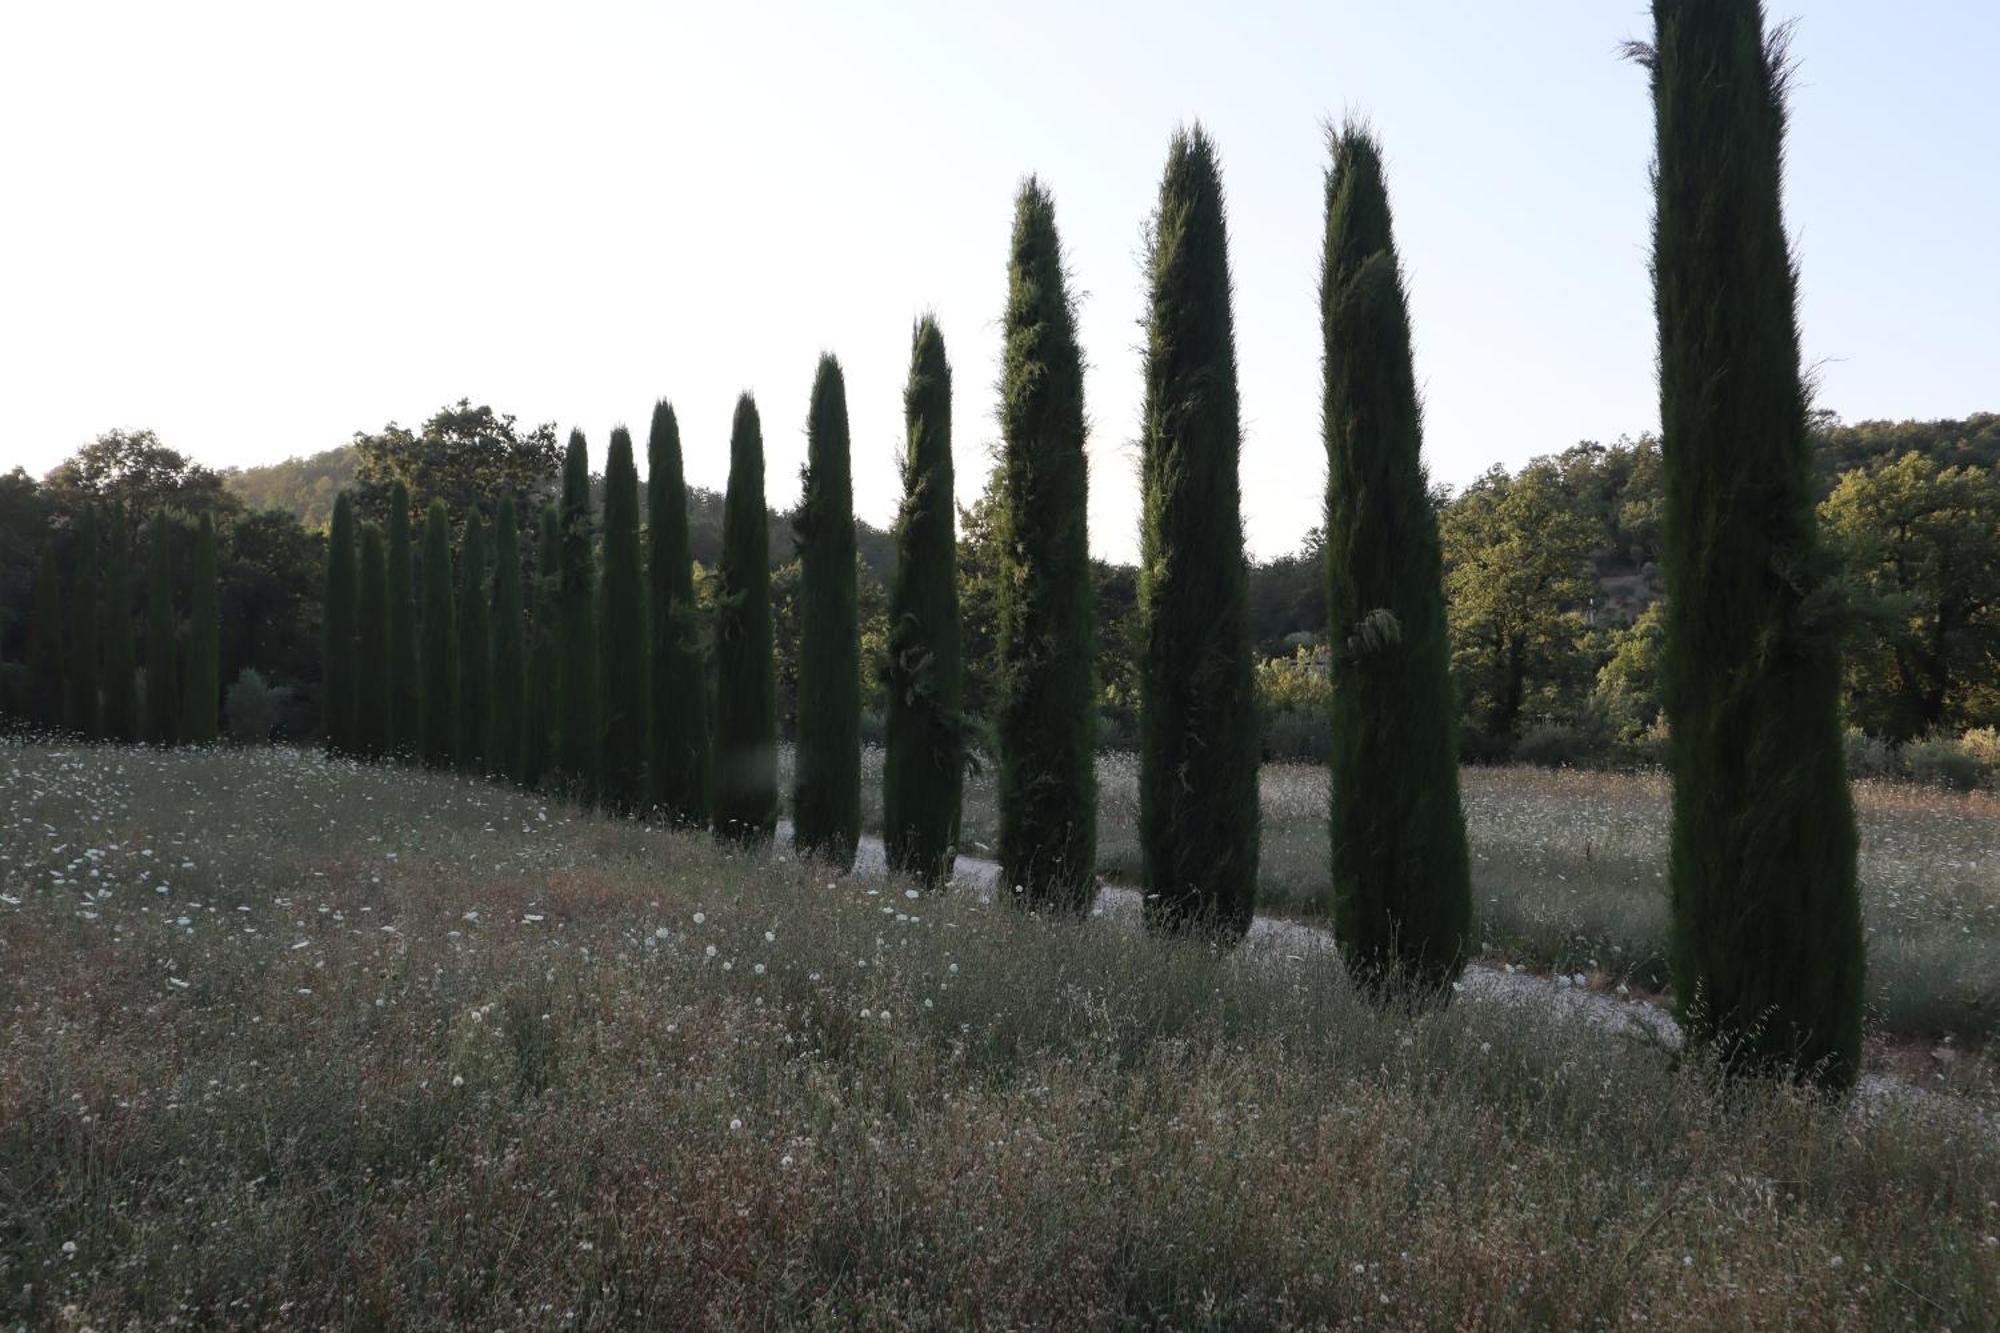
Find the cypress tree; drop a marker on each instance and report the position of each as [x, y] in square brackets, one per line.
[405, 676]
[201, 686]
[45, 646]
[544, 654]
[372, 715]
[577, 737]
[438, 705]
[826, 791]
[340, 659]
[121, 664]
[475, 651]
[923, 763]
[746, 686]
[81, 710]
[1402, 891]
[1047, 641]
[1199, 738]
[1767, 946]
[622, 638]
[678, 757]
[163, 694]
[504, 746]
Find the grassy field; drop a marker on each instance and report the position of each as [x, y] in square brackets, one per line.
[304, 1044]
[1569, 876]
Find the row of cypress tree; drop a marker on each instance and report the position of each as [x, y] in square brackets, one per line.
[83, 667]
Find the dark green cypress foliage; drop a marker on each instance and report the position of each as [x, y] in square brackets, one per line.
[826, 792]
[1047, 642]
[1199, 739]
[1402, 893]
[923, 762]
[577, 738]
[438, 706]
[544, 655]
[201, 686]
[121, 665]
[81, 710]
[678, 757]
[372, 720]
[1767, 946]
[622, 638]
[746, 683]
[45, 646]
[475, 651]
[405, 676]
[163, 692]
[340, 661]
[510, 645]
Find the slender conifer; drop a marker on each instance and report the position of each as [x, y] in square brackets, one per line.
[826, 791]
[405, 675]
[577, 713]
[544, 654]
[372, 718]
[438, 706]
[163, 686]
[746, 687]
[678, 758]
[475, 651]
[923, 763]
[510, 646]
[622, 640]
[340, 662]
[45, 645]
[116, 634]
[1047, 649]
[81, 709]
[201, 685]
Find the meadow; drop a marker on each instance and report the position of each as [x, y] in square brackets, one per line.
[298, 1042]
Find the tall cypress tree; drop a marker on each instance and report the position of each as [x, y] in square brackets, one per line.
[678, 757]
[81, 710]
[201, 685]
[576, 699]
[163, 693]
[746, 684]
[923, 762]
[1767, 946]
[504, 752]
[826, 790]
[544, 654]
[405, 676]
[372, 716]
[1047, 640]
[45, 645]
[1402, 892]
[121, 664]
[1199, 738]
[475, 650]
[622, 639]
[340, 663]
[438, 706]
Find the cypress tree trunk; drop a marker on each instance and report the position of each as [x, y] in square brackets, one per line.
[678, 757]
[1402, 890]
[372, 707]
[923, 762]
[163, 695]
[577, 736]
[475, 651]
[438, 707]
[121, 665]
[45, 645]
[80, 695]
[544, 654]
[504, 747]
[201, 694]
[340, 661]
[405, 676]
[746, 686]
[1767, 948]
[1199, 740]
[1047, 649]
[623, 667]
[826, 792]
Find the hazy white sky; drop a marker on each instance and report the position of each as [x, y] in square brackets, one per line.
[257, 228]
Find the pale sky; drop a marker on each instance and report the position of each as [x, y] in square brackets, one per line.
[257, 228]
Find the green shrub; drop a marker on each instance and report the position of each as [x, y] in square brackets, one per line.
[255, 707]
[1940, 761]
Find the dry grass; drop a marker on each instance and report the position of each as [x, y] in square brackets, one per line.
[304, 1044]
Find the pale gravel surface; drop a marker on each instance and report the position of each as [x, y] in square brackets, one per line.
[1278, 938]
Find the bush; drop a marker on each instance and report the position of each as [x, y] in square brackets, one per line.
[1295, 736]
[255, 707]
[1870, 756]
[1939, 761]
[1557, 745]
[1983, 744]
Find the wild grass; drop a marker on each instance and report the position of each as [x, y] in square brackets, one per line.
[303, 1043]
